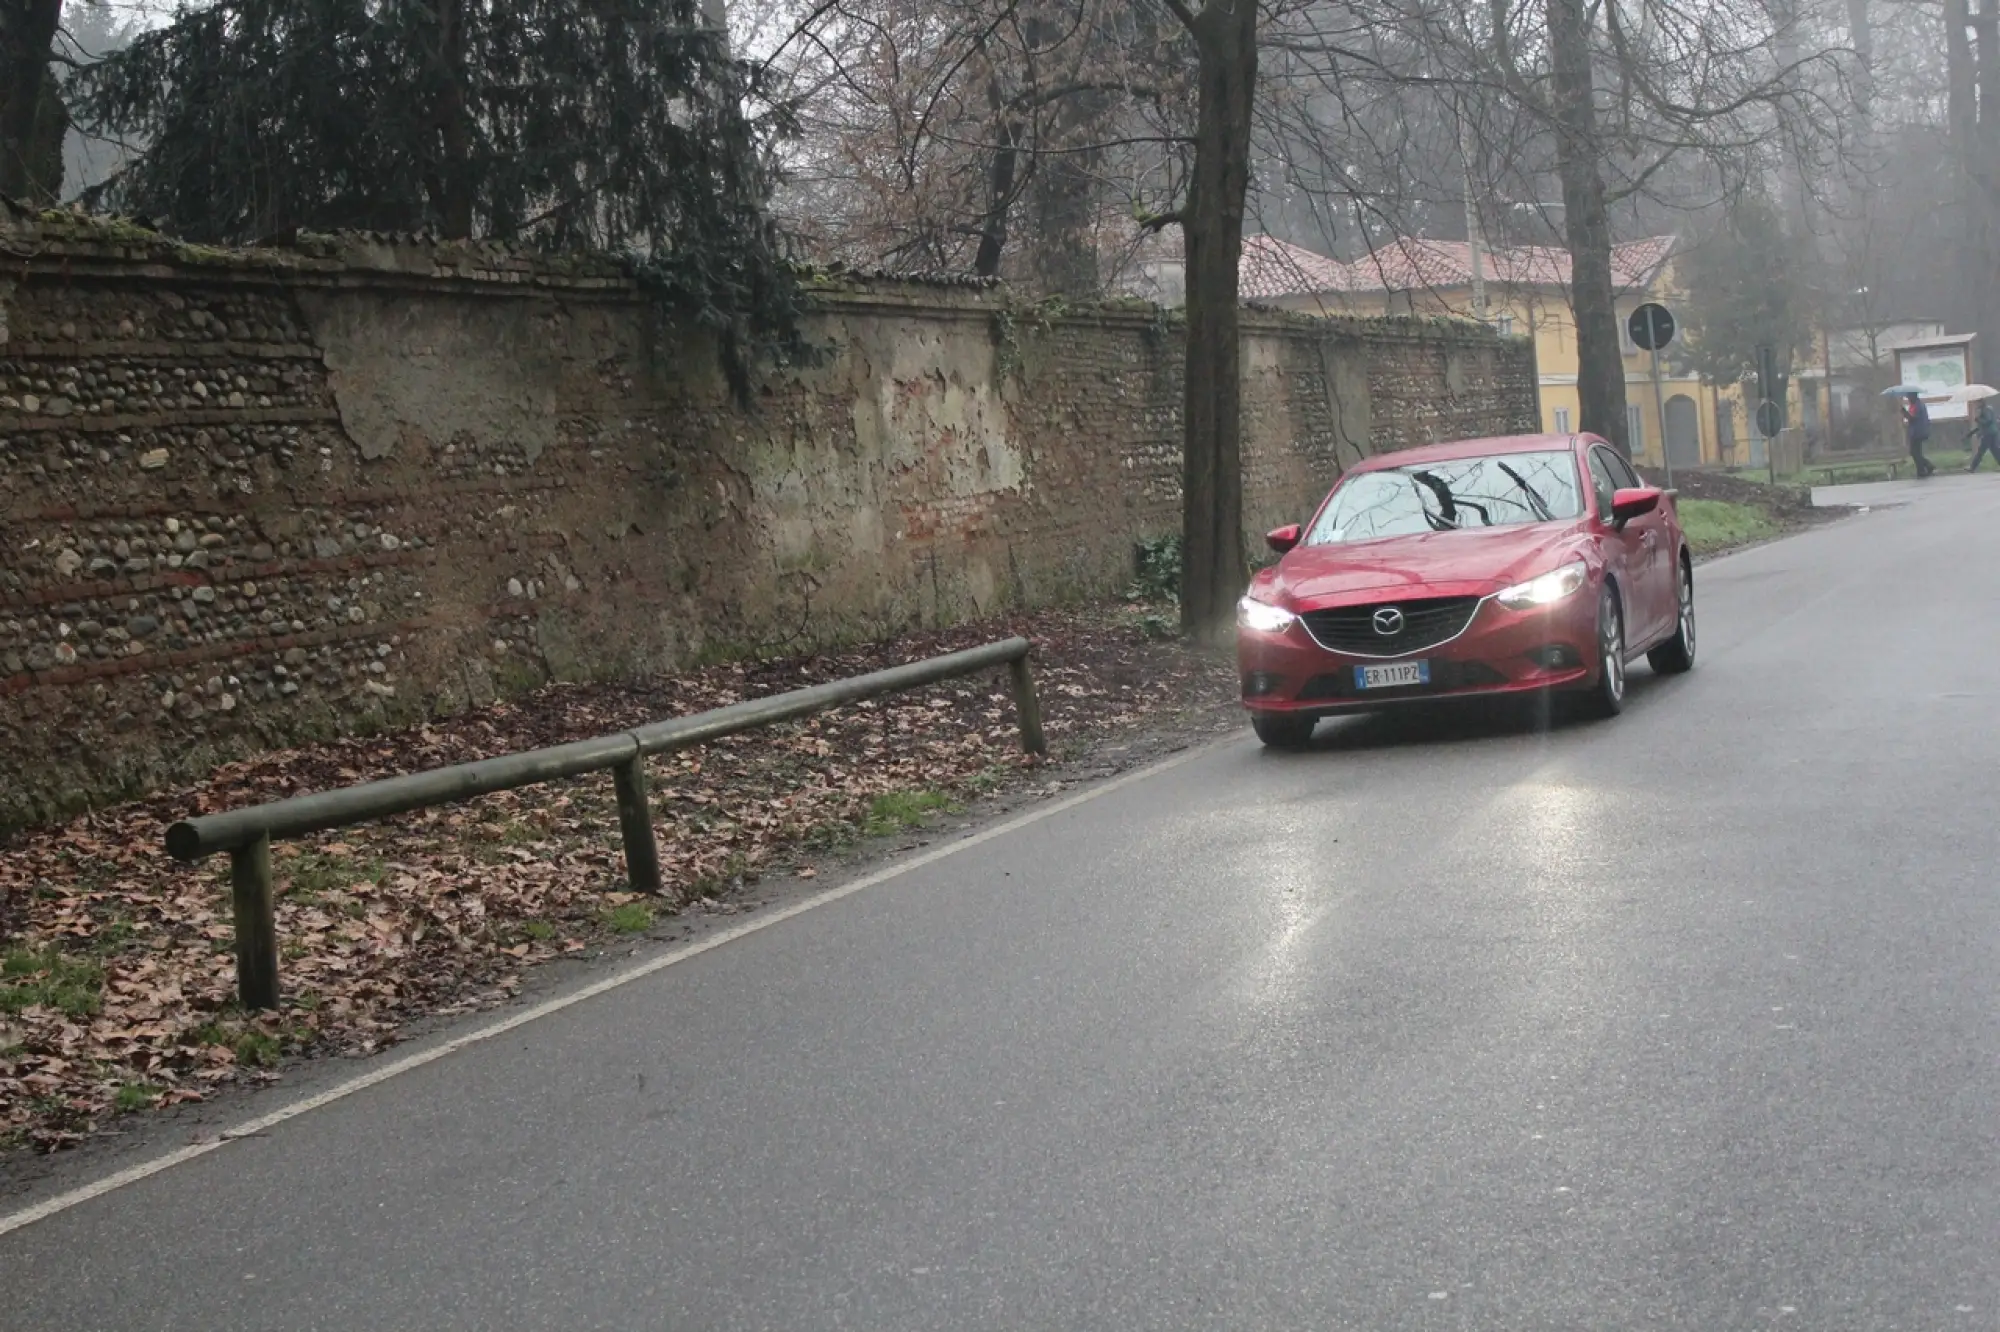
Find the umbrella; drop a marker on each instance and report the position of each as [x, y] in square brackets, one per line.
[1974, 392]
[1904, 391]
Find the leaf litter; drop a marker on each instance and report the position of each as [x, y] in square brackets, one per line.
[117, 976]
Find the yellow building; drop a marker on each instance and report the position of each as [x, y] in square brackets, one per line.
[1526, 291]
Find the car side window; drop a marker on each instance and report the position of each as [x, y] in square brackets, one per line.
[1602, 481]
[1622, 473]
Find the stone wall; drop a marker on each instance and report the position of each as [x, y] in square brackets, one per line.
[248, 498]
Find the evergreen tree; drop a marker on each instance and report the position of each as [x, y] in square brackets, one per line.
[604, 124]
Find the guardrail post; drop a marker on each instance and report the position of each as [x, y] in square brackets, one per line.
[1027, 709]
[256, 924]
[635, 826]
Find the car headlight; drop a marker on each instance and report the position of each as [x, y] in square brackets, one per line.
[1262, 617]
[1550, 588]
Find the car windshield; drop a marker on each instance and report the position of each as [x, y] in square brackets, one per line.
[1496, 491]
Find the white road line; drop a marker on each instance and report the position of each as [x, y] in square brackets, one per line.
[62, 1202]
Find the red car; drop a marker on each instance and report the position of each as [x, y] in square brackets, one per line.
[1528, 564]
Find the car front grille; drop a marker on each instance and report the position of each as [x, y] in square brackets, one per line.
[1426, 623]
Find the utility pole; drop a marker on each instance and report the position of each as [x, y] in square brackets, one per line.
[1472, 223]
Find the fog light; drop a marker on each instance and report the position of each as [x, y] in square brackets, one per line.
[1258, 684]
[1556, 657]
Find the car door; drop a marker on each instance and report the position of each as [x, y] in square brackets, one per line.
[1662, 589]
[1625, 550]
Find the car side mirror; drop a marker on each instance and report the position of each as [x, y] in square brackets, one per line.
[1635, 502]
[1283, 539]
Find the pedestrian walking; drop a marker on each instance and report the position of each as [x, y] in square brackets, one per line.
[1917, 431]
[1987, 426]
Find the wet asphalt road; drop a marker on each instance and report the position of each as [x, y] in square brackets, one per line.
[1689, 1020]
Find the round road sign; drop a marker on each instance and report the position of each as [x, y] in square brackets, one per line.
[1651, 326]
[1769, 419]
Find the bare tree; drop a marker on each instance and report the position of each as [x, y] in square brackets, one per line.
[1347, 118]
[1674, 100]
[965, 135]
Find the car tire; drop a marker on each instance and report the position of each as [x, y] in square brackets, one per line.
[1606, 696]
[1283, 730]
[1677, 653]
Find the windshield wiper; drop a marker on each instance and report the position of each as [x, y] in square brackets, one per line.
[1446, 518]
[1540, 505]
[1449, 503]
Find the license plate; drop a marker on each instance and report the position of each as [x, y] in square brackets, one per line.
[1392, 675]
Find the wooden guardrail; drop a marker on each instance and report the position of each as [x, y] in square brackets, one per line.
[247, 833]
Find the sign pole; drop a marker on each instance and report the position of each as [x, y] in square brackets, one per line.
[1659, 397]
[1652, 327]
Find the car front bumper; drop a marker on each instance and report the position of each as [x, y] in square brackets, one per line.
[1499, 652]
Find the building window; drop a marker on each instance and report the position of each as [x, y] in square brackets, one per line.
[1635, 428]
[1504, 325]
[1562, 420]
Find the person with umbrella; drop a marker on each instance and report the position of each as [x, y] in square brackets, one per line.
[1987, 426]
[1917, 432]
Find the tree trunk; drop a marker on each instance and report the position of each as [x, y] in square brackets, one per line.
[27, 32]
[1600, 365]
[1861, 36]
[1785, 49]
[1063, 186]
[1213, 567]
[1972, 63]
[45, 144]
[1000, 172]
[453, 190]
[1065, 198]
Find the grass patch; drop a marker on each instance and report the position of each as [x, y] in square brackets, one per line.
[256, 1050]
[113, 935]
[538, 930]
[1716, 524]
[252, 1048]
[1855, 473]
[50, 978]
[134, 1096]
[893, 811]
[311, 874]
[986, 780]
[631, 918]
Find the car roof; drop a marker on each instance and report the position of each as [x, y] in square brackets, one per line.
[1470, 448]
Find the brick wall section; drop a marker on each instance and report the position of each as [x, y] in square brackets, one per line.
[250, 498]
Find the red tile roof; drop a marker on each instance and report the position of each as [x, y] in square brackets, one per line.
[1272, 268]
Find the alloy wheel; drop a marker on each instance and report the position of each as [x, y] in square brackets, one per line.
[1611, 649]
[1687, 611]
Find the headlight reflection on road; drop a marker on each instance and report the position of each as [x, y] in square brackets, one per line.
[1556, 831]
[1297, 874]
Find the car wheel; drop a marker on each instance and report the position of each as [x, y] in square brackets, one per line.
[1606, 698]
[1677, 653]
[1283, 730]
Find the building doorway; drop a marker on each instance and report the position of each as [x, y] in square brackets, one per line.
[1683, 432]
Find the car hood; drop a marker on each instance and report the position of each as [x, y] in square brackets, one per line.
[1474, 562]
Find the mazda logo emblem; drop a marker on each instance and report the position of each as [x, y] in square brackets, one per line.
[1389, 621]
